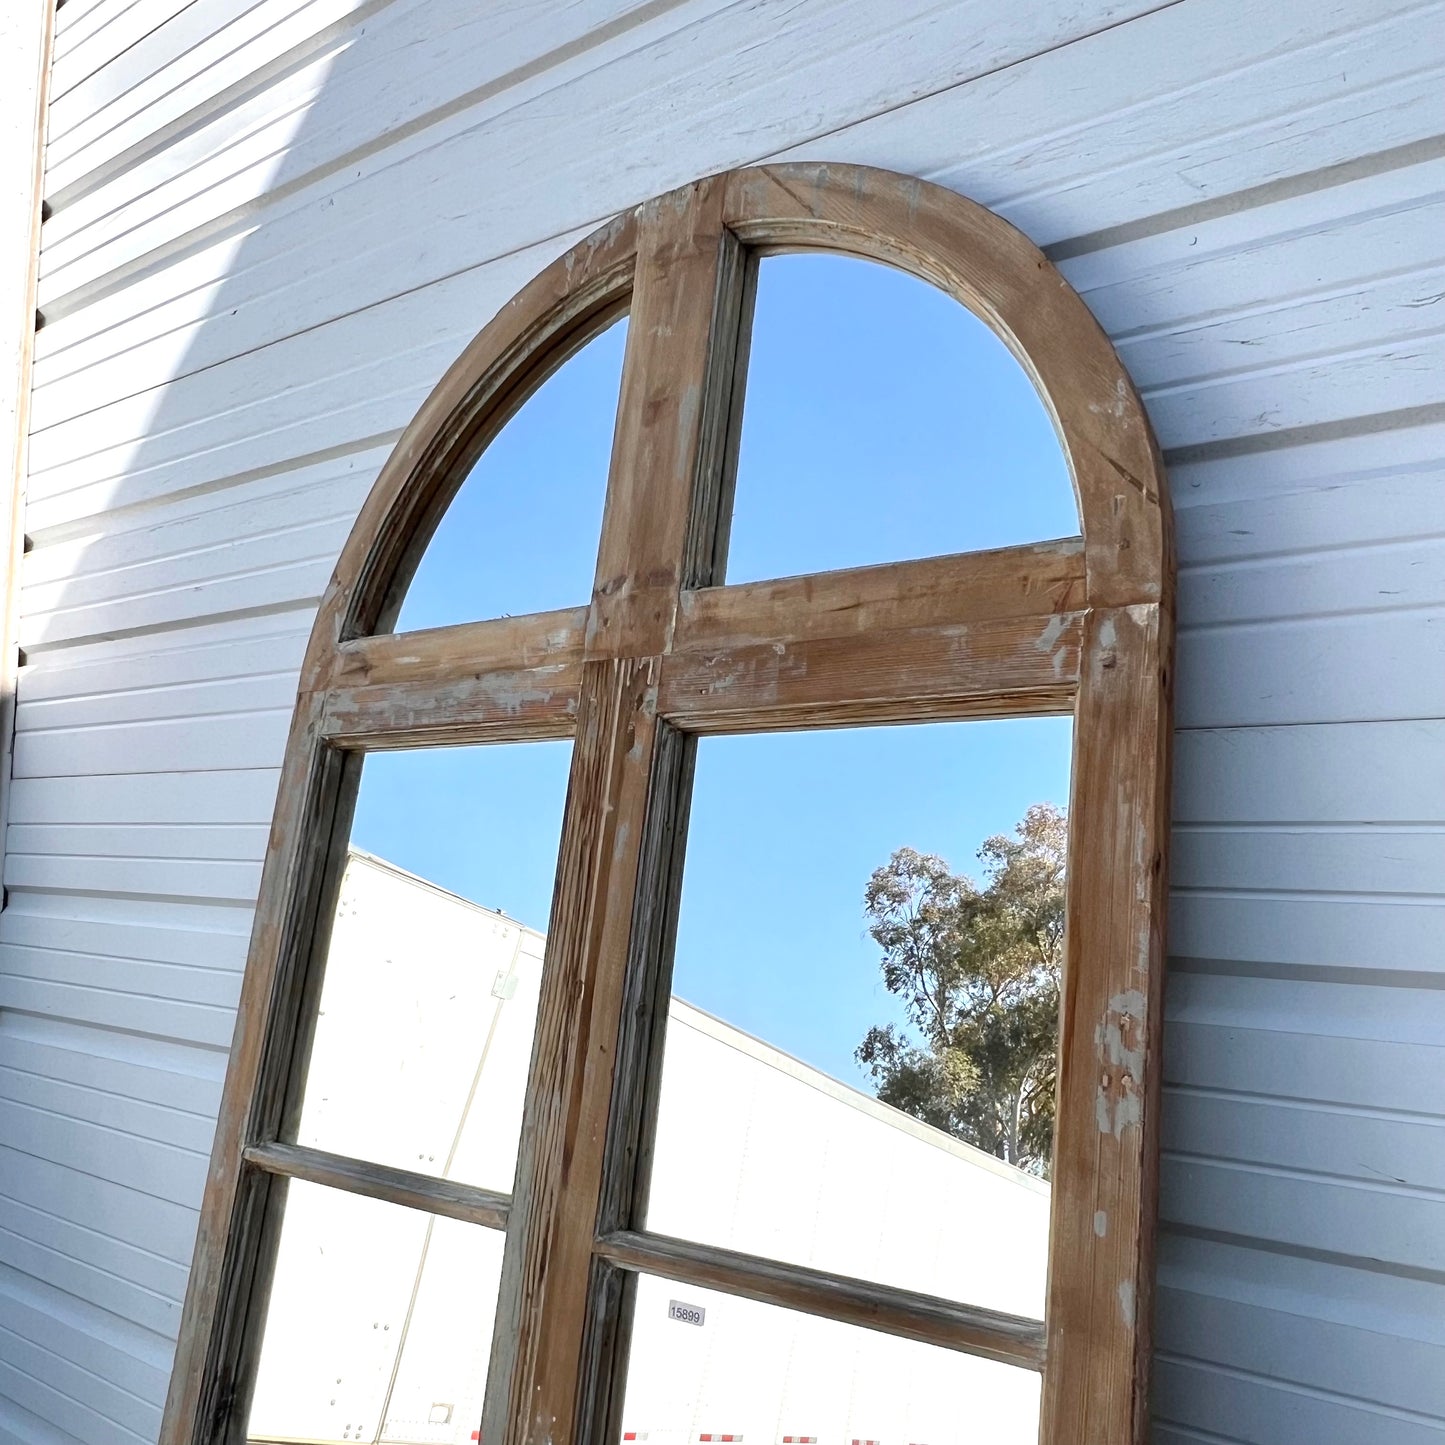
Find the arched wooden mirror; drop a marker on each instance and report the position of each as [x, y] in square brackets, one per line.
[562, 1219]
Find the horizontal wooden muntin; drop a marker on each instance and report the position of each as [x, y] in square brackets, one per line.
[990, 1334]
[975, 634]
[446, 1197]
[987, 669]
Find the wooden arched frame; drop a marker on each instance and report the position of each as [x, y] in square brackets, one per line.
[661, 654]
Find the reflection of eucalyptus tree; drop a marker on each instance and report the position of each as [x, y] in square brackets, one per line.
[978, 970]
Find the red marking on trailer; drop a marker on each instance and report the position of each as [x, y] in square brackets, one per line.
[707, 1438]
[800, 1440]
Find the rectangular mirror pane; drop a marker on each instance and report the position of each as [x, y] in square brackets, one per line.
[429, 996]
[859, 1067]
[379, 1325]
[706, 1366]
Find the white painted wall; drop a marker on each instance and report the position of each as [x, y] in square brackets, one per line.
[275, 222]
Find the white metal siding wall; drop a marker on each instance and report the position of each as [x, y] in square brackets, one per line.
[276, 221]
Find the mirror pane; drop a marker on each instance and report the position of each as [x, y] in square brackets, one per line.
[883, 421]
[379, 1325]
[858, 1072]
[521, 533]
[706, 1366]
[429, 997]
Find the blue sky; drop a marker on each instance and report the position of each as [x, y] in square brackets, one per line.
[882, 422]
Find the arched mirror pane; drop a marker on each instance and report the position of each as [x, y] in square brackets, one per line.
[434, 964]
[862, 1044]
[884, 421]
[521, 533]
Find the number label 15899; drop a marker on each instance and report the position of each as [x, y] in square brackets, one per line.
[685, 1314]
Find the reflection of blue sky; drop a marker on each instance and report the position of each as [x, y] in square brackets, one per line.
[882, 422]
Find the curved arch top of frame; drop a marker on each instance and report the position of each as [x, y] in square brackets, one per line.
[1000, 275]
[548, 321]
[932, 232]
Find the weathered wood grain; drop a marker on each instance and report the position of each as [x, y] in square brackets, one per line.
[467, 650]
[667, 489]
[536, 1353]
[664, 493]
[493, 707]
[968, 587]
[1010, 1339]
[988, 669]
[446, 1197]
[1106, 1133]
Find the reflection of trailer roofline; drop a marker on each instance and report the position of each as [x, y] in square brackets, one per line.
[385, 865]
[794, 1068]
[728, 1034]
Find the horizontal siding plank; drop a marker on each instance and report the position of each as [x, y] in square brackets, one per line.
[188, 1082]
[75, 1331]
[1294, 1347]
[265, 576]
[160, 90]
[1390, 577]
[150, 842]
[216, 939]
[37, 1379]
[68, 717]
[213, 879]
[1378, 773]
[1391, 1228]
[110, 1009]
[155, 1169]
[1328, 1008]
[108, 1109]
[1259, 258]
[212, 987]
[85, 51]
[1238, 1406]
[221, 649]
[1374, 1073]
[1313, 934]
[53, 1260]
[1407, 505]
[250, 740]
[143, 1239]
[1355, 861]
[1311, 1140]
[1313, 670]
[216, 800]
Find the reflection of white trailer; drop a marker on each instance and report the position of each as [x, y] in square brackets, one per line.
[380, 1322]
